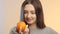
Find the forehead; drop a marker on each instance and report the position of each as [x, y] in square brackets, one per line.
[29, 7]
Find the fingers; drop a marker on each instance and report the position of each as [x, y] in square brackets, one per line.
[26, 26]
[20, 30]
[27, 29]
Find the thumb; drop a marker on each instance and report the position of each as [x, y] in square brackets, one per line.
[20, 30]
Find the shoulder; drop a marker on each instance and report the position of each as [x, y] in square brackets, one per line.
[49, 30]
[13, 31]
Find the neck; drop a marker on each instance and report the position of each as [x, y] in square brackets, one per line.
[33, 26]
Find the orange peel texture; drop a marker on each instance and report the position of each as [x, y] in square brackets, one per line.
[21, 24]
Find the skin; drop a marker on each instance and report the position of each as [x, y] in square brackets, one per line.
[30, 18]
[30, 15]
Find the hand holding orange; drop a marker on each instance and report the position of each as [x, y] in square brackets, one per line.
[21, 24]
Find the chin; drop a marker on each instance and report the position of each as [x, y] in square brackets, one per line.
[30, 22]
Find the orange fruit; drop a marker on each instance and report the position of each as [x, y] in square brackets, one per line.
[21, 24]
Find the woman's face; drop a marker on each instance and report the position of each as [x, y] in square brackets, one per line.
[29, 14]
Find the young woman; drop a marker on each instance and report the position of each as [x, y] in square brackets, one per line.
[32, 15]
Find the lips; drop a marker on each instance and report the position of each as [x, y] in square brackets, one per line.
[29, 20]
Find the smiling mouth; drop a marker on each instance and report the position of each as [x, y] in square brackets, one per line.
[29, 20]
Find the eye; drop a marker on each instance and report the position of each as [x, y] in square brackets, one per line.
[25, 11]
[32, 12]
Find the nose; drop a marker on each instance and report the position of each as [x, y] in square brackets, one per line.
[29, 15]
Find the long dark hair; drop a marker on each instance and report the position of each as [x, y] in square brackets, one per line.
[39, 12]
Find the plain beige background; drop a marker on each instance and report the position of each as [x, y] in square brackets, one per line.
[11, 14]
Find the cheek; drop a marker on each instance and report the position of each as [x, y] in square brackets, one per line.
[25, 15]
[34, 17]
